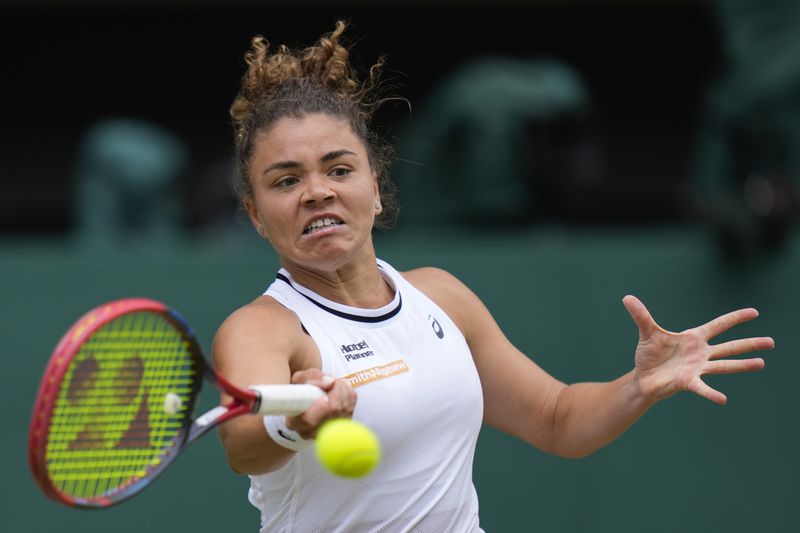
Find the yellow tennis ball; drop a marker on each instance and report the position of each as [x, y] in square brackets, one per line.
[172, 403]
[347, 448]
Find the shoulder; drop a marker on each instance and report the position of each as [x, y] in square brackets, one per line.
[262, 323]
[434, 280]
[263, 313]
[448, 292]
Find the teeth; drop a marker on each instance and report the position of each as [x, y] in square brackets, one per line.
[320, 223]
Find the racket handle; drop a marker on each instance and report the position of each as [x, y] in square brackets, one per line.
[285, 399]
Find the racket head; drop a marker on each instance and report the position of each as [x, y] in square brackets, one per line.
[99, 429]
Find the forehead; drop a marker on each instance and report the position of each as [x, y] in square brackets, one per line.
[308, 136]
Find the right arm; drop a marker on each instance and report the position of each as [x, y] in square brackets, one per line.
[264, 343]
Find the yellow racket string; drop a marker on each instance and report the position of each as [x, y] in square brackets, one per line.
[109, 425]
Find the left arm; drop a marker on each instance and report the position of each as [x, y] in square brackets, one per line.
[575, 420]
[591, 415]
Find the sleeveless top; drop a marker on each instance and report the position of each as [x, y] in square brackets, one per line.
[418, 389]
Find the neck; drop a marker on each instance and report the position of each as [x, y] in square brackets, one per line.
[359, 284]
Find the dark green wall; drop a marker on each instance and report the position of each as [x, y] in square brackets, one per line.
[687, 466]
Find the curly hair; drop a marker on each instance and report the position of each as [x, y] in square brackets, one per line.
[318, 79]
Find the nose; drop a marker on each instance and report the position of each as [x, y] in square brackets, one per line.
[318, 189]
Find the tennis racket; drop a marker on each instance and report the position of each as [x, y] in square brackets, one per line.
[115, 405]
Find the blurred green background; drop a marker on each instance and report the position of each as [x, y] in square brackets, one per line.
[687, 466]
[557, 156]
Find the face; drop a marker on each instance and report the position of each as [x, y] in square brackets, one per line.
[314, 196]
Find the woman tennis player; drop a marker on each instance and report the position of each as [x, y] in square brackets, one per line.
[414, 355]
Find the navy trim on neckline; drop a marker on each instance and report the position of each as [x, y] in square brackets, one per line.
[342, 314]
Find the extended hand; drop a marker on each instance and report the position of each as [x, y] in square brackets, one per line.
[668, 362]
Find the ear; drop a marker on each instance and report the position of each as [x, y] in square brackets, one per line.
[377, 193]
[252, 213]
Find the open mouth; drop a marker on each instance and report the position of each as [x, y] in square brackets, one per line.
[320, 224]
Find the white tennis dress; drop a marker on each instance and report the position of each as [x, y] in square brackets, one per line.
[418, 389]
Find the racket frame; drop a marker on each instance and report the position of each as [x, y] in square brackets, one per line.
[244, 401]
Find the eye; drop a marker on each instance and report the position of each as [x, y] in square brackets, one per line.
[340, 172]
[285, 182]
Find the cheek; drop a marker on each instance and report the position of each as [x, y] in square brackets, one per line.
[271, 222]
[267, 217]
[274, 231]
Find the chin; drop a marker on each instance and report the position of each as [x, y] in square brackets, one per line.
[331, 255]
[328, 261]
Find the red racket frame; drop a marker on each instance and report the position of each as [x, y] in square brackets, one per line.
[244, 401]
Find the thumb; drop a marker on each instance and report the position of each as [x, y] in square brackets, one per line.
[640, 315]
[313, 376]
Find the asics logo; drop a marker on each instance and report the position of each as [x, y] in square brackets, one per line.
[436, 327]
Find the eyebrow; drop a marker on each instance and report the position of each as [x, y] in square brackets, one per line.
[336, 154]
[280, 165]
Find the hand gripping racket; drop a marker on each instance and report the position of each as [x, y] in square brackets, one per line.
[116, 401]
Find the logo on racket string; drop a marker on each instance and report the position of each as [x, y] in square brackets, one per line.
[88, 397]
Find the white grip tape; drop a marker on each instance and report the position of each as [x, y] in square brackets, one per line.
[286, 399]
